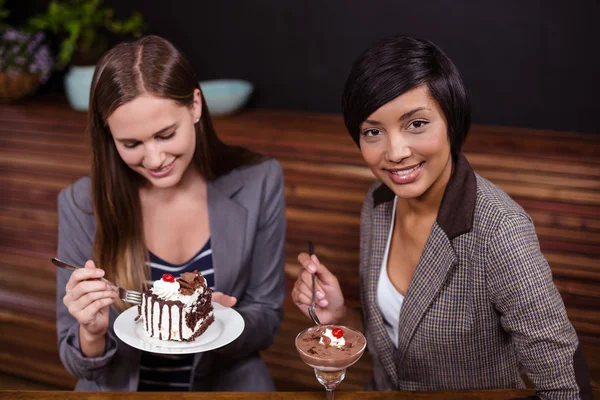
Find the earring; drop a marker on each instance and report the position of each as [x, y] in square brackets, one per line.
[197, 120]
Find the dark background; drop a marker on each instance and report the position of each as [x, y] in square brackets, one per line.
[526, 63]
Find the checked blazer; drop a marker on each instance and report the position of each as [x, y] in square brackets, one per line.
[481, 307]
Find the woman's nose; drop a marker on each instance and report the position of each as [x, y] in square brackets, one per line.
[153, 157]
[398, 148]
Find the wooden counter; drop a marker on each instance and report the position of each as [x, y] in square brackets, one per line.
[466, 395]
[555, 176]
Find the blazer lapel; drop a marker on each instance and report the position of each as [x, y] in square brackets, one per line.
[382, 218]
[227, 220]
[455, 218]
[436, 262]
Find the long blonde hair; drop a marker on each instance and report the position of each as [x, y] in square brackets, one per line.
[149, 65]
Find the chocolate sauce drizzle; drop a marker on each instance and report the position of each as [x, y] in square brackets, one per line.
[160, 309]
[199, 311]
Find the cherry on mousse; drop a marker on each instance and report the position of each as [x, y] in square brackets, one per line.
[337, 333]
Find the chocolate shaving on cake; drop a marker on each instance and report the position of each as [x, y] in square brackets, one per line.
[199, 279]
[189, 282]
[189, 277]
[184, 284]
[185, 288]
[326, 341]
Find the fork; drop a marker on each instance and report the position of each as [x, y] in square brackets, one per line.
[311, 309]
[129, 296]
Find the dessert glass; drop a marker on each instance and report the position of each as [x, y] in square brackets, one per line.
[330, 370]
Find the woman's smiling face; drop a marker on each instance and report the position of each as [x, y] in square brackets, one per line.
[405, 144]
[156, 137]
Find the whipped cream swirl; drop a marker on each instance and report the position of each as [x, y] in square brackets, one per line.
[339, 343]
[165, 290]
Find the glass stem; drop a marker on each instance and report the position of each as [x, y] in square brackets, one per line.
[329, 393]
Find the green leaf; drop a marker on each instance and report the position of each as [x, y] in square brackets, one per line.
[134, 25]
[73, 28]
[53, 9]
[66, 52]
[38, 22]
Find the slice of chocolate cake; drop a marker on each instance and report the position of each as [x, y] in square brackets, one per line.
[177, 309]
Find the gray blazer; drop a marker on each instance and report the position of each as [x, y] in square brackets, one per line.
[247, 226]
[481, 302]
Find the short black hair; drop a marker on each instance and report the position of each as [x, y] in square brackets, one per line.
[395, 65]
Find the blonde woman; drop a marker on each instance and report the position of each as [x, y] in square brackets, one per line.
[166, 193]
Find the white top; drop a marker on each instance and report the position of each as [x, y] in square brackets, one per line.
[389, 300]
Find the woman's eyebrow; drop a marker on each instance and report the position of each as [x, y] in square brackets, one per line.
[404, 116]
[163, 130]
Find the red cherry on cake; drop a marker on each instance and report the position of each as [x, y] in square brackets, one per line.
[337, 332]
[168, 278]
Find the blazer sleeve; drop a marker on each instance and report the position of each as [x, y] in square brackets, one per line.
[75, 238]
[532, 312]
[262, 304]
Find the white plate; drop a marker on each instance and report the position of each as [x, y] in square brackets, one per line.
[228, 325]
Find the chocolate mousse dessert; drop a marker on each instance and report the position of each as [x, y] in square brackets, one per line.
[330, 347]
[177, 309]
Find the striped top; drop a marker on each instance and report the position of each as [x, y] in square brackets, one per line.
[202, 261]
[162, 372]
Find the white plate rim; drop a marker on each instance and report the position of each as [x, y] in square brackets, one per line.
[233, 326]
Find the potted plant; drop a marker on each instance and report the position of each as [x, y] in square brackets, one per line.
[83, 27]
[25, 60]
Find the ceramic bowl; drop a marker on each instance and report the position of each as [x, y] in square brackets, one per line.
[226, 96]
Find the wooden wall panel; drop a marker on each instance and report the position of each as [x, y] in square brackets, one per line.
[555, 176]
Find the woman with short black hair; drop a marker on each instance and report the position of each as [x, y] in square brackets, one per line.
[455, 293]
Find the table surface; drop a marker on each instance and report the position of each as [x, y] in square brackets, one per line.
[341, 395]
